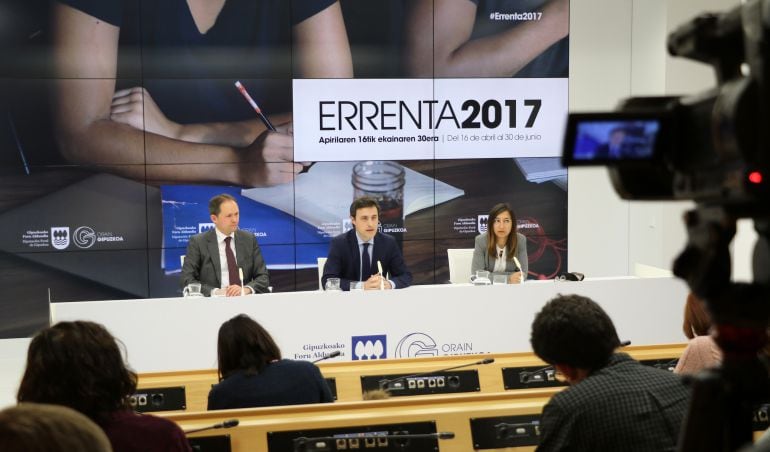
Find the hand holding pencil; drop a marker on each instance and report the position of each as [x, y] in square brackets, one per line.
[269, 160]
[262, 117]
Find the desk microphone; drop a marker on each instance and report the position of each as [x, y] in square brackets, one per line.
[226, 424]
[384, 384]
[333, 354]
[324, 443]
[625, 343]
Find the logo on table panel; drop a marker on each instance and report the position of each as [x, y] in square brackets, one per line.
[483, 223]
[416, 344]
[369, 347]
[203, 227]
[84, 237]
[60, 237]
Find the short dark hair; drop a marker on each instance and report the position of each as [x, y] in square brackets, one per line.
[574, 330]
[363, 202]
[215, 204]
[244, 345]
[33, 427]
[79, 365]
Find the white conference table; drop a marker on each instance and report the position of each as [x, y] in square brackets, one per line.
[178, 334]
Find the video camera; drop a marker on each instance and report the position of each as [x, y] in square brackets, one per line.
[711, 147]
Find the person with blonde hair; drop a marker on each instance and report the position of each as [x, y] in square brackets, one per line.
[34, 427]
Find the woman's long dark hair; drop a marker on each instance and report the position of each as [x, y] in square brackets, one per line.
[511, 241]
[243, 345]
[79, 365]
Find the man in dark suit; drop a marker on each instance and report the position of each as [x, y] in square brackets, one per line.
[353, 256]
[614, 402]
[215, 257]
[613, 148]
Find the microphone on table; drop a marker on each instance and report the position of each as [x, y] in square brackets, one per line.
[226, 424]
[325, 443]
[625, 343]
[384, 384]
[333, 354]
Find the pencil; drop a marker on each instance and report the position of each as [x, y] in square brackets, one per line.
[254, 105]
[18, 144]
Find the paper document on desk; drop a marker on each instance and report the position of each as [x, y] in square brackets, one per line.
[322, 196]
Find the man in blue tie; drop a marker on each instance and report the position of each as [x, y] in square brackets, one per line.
[354, 255]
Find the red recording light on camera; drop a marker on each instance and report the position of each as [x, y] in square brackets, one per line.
[755, 177]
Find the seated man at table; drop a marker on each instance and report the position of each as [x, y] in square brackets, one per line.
[215, 258]
[354, 255]
[614, 402]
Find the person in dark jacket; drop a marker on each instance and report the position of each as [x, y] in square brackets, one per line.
[252, 373]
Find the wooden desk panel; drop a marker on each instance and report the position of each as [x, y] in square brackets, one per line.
[452, 413]
[348, 374]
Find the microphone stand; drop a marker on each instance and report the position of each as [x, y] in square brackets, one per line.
[384, 383]
[333, 354]
[226, 424]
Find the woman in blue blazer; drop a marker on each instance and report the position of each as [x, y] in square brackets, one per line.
[495, 249]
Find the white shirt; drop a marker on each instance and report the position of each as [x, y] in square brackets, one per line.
[373, 265]
[500, 260]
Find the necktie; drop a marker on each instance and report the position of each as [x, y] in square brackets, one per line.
[232, 266]
[366, 263]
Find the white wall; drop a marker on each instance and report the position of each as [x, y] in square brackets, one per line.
[620, 55]
[600, 75]
[13, 355]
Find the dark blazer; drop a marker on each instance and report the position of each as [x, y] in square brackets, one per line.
[344, 260]
[201, 263]
[284, 382]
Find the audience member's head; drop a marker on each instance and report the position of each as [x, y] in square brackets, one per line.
[79, 365]
[244, 345]
[572, 330]
[32, 427]
[697, 321]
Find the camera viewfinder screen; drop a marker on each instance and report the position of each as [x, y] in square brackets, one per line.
[615, 140]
